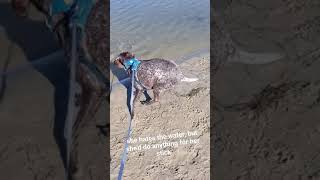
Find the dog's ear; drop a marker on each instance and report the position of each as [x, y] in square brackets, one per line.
[124, 54]
[127, 55]
[119, 62]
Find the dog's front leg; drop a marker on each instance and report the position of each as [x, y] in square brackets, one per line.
[148, 98]
[156, 98]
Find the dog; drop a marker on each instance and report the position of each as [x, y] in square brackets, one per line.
[155, 74]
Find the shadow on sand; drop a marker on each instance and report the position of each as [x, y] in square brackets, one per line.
[36, 41]
[124, 80]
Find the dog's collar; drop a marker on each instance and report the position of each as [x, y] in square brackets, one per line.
[131, 64]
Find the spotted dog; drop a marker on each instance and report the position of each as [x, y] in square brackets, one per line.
[153, 74]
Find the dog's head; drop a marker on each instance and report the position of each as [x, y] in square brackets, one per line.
[21, 7]
[119, 61]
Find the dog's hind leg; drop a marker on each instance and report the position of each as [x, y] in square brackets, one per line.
[156, 94]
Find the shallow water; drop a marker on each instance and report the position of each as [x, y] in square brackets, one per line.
[171, 29]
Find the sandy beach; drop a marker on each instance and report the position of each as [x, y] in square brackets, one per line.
[182, 109]
[266, 113]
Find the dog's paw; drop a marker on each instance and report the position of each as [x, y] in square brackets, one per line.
[147, 102]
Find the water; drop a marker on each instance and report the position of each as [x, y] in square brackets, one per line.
[168, 29]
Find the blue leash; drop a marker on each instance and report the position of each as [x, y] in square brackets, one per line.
[124, 155]
[77, 13]
[70, 116]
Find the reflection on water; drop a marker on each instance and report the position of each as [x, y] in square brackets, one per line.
[159, 28]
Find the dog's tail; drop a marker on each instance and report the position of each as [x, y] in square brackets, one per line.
[185, 79]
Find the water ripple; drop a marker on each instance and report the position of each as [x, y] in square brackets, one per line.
[166, 28]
